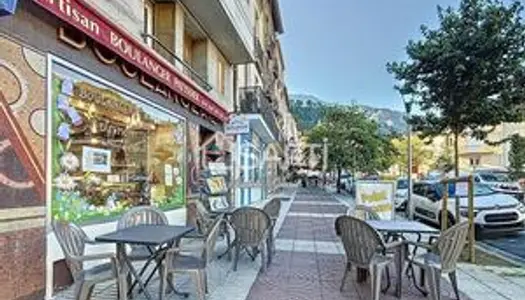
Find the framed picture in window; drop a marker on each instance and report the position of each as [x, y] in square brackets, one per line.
[96, 160]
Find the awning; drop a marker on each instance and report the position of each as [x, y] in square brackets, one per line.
[258, 125]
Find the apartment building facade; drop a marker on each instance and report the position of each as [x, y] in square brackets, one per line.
[263, 105]
[105, 105]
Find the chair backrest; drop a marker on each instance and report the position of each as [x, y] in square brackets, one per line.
[361, 241]
[203, 219]
[363, 212]
[450, 244]
[72, 240]
[250, 225]
[272, 208]
[208, 253]
[142, 215]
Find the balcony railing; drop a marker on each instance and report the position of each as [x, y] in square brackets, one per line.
[255, 101]
[169, 55]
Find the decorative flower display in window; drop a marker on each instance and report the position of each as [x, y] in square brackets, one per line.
[69, 162]
[64, 182]
[178, 180]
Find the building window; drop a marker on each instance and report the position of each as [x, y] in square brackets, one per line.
[221, 76]
[148, 21]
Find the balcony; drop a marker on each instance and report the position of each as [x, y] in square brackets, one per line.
[170, 56]
[227, 24]
[254, 101]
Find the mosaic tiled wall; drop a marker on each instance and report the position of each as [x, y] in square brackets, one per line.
[22, 164]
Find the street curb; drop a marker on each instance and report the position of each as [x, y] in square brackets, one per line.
[508, 257]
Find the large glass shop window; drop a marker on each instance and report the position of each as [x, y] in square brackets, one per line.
[110, 150]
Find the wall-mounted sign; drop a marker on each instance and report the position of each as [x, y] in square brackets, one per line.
[378, 195]
[237, 125]
[7, 7]
[156, 73]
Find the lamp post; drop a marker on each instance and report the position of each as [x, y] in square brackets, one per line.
[409, 206]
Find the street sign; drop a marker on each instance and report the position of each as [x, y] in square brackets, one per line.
[378, 195]
[238, 125]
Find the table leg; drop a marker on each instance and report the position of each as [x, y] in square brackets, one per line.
[158, 257]
[400, 263]
[362, 274]
[121, 253]
[228, 241]
[419, 287]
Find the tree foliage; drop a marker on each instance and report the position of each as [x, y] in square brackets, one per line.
[354, 142]
[467, 75]
[421, 155]
[517, 156]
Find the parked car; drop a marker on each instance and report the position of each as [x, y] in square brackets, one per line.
[494, 212]
[347, 182]
[500, 182]
[401, 196]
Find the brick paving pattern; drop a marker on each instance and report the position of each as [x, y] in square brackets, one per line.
[310, 261]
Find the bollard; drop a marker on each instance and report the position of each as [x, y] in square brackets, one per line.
[472, 228]
[444, 210]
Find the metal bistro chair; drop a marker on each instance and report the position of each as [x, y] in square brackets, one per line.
[178, 262]
[442, 257]
[251, 226]
[366, 249]
[272, 208]
[141, 215]
[73, 240]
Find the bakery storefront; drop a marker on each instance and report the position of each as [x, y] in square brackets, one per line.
[98, 123]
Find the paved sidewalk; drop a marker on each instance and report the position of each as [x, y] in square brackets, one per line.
[310, 260]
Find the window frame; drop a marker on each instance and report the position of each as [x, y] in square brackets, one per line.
[149, 21]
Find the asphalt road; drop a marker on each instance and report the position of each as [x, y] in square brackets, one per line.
[513, 246]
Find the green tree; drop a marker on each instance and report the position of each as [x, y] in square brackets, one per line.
[517, 156]
[354, 142]
[421, 155]
[467, 75]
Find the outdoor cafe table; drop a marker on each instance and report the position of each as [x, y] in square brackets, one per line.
[155, 237]
[397, 228]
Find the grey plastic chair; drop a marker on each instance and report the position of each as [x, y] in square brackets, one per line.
[141, 215]
[204, 219]
[72, 239]
[366, 249]
[251, 226]
[176, 262]
[442, 257]
[272, 209]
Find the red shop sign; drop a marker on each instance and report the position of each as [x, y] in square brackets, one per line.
[86, 19]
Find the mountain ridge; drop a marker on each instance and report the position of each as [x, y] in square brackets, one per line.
[308, 111]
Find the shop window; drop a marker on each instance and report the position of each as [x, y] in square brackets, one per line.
[148, 21]
[111, 150]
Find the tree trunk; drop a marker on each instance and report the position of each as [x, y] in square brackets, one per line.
[456, 172]
[338, 180]
[456, 154]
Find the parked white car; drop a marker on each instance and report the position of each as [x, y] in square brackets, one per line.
[494, 212]
[401, 197]
[500, 182]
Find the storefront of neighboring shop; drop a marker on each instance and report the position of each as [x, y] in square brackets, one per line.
[252, 140]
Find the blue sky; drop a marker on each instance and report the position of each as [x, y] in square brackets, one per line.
[337, 49]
